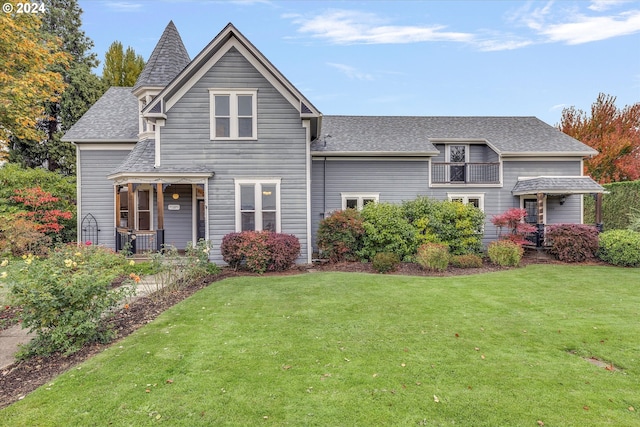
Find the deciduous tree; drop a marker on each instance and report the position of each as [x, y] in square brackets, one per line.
[614, 132]
[29, 74]
[62, 21]
[121, 68]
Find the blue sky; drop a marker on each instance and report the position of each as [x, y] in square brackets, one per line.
[427, 58]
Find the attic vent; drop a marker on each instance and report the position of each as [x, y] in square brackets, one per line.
[304, 109]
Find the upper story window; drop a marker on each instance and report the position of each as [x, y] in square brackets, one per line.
[233, 114]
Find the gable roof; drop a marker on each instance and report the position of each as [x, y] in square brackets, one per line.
[168, 58]
[508, 136]
[228, 38]
[113, 118]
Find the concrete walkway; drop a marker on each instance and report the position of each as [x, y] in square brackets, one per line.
[12, 338]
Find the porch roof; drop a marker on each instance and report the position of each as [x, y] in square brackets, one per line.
[557, 185]
[139, 167]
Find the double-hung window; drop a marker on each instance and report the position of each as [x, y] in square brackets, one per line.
[258, 204]
[233, 114]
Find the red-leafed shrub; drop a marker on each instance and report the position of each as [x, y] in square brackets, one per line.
[511, 226]
[572, 242]
[260, 251]
[284, 249]
[340, 236]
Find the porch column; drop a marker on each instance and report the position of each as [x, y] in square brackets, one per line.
[160, 230]
[131, 217]
[599, 224]
[540, 221]
[116, 189]
[117, 218]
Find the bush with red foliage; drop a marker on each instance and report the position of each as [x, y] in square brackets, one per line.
[572, 242]
[340, 235]
[260, 251]
[511, 226]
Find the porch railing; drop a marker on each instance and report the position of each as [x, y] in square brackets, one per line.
[539, 237]
[465, 173]
[139, 241]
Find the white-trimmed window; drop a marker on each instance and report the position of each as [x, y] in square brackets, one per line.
[476, 200]
[234, 113]
[358, 200]
[258, 204]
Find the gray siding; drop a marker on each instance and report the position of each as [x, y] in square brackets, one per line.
[96, 191]
[395, 180]
[178, 224]
[404, 180]
[279, 152]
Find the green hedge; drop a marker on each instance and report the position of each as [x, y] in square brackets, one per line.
[617, 205]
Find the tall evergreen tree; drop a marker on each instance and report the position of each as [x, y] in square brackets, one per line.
[121, 68]
[62, 21]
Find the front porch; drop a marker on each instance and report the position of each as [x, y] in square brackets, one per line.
[535, 195]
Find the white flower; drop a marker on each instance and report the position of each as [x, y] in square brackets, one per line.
[3, 275]
[5, 262]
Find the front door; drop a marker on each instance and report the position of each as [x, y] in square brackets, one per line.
[531, 206]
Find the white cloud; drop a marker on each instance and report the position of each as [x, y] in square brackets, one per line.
[353, 27]
[585, 29]
[123, 6]
[602, 5]
[351, 72]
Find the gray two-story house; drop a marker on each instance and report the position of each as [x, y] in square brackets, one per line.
[201, 148]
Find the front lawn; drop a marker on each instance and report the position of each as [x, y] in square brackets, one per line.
[508, 348]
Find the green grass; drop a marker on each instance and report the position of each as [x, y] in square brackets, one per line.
[501, 349]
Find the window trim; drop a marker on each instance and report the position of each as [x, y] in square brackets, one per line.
[360, 197]
[466, 196]
[233, 114]
[257, 183]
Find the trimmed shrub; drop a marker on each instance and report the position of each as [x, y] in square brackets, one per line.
[385, 262]
[433, 256]
[466, 261]
[339, 236]
[572, 242]
[457, 224]
[505, 253]
[260, 251]
[620, 247]
[386, 230]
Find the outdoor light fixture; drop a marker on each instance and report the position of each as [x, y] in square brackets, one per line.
[175, 196]
[563, 199]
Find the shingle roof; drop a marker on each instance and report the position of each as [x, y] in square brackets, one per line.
[168, 58]
[141, 160]
[557, 185]
[114, 117]
[508, 135]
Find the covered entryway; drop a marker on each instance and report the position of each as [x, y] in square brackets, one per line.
[547, 200]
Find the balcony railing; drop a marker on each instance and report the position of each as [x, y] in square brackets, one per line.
[465, 173]
[139, 241]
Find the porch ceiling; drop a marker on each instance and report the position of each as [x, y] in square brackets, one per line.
[556, 185]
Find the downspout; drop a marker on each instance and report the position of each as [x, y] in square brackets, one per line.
[324, 186]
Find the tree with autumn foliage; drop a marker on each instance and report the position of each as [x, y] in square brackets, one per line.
[27, 76]
[614, 132]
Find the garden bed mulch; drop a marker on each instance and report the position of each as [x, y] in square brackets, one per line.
[21, 378]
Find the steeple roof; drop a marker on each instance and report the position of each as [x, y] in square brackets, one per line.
[168, 58]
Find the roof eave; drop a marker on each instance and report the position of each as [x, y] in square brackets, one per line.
[374, 153]
[549, 154]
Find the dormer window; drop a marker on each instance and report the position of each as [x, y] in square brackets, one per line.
[233, 114]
